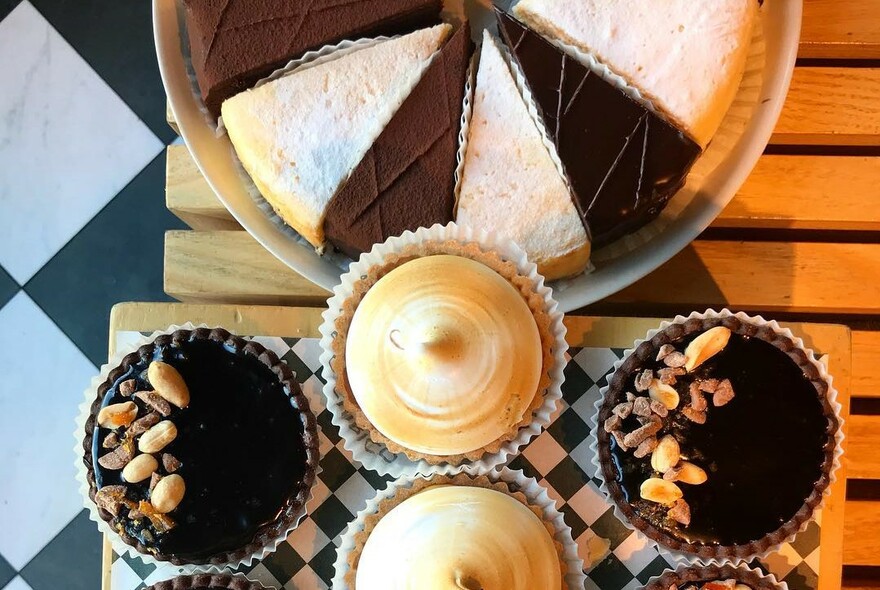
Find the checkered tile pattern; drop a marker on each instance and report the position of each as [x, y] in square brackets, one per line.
[559, 458]
[82, 219]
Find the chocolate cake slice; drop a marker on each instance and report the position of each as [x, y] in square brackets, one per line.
[405, 181]
[623, 161]
[234, 43]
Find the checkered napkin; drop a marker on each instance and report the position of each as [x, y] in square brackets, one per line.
[559, 458]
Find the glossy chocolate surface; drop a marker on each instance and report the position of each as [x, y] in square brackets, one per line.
[624, 162]
[763, 451]
[240, 442]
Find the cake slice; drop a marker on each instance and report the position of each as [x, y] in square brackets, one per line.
[234, 43]
[510, 184]
[687, 56]
[406, 179]
[300, 136]
[623, 161]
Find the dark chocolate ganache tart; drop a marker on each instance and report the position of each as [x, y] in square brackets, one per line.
[716, 437]
[207, 582]
[723, 577]
[201, 448]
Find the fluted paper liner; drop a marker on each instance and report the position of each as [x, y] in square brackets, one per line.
[707, 555]
[225, 581]
[525, 489]
[121, 547]
[366, 444]
[753, 578]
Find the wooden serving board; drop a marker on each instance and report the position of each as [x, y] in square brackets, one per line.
[599, 332]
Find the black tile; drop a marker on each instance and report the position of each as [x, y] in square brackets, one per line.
[332, 517]
[807, 541]
[322, 563]
[328, 429]
[299, 368]
[520, 463]
[801, 578]
[573, 520]
[567, 478]
[116, 39]
[569, 430]
[116, 257]
[610, 528]
[655, 568]
[8, 287]
[7, 6]
[576, 383]
[379, 482]
[7, 572]
[284, 563]
[74, 556]
[611, 574]
[138, 566]
[335, 469]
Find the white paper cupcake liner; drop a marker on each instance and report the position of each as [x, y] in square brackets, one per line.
[120, 547]
[378, 457]
[528, 486]
[678, 557]
[741, 573]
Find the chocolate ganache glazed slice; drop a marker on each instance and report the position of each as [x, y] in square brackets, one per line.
[718, 436]
[200, 449]
[624, 162]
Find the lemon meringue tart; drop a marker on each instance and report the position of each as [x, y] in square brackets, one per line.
[456, 536]
[443, 357]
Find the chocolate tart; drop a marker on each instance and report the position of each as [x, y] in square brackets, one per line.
[207, 582]
[246, 445]
[682, 578]
[757, 419]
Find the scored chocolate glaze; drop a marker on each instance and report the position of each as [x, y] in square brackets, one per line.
[406, 180]
[247, 443]
[623, 161]
[235, 43]
[768, 453]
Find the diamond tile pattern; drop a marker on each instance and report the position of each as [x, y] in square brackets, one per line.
[619, 558]
[81, 222]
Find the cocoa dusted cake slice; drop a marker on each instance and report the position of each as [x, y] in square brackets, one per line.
[623, 161]
[406, 179]
[234, 43]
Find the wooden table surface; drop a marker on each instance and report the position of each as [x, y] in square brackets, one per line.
[800, 241]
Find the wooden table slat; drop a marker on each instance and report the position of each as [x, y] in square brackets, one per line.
[766, 276]
[863, 448]
[861, 543]
[783, 192]
[840, 29]
[831, 106]
[866, 364]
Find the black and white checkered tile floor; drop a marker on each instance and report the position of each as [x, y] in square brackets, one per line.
[82, 131]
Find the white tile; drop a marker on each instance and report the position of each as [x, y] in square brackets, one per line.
[589, 503]
[314, 392]
[592, 548]
[273, 343]
[355, 492]
[18, 583]
[583, 456]
[40, 389]
[122, 577]
[307, 540]
[309, 350]
[544, 453]
[596, 362]
[585, 406]
[636, 553]
[306, 579]
[262, 575]
[68, 143]
[814, 559]
[782, 561]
